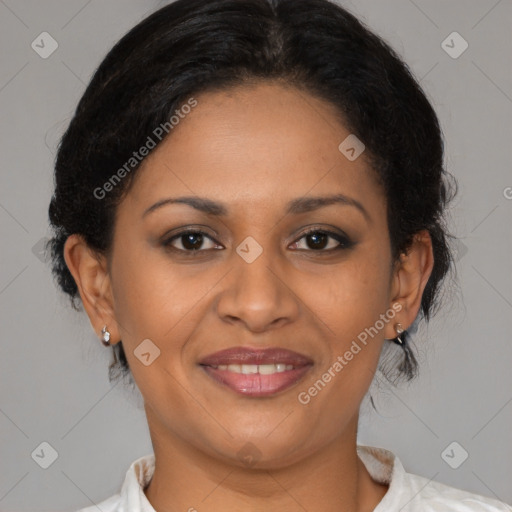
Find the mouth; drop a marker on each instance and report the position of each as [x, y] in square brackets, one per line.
[256, 372]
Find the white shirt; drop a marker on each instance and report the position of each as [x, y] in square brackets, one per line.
[407, 492]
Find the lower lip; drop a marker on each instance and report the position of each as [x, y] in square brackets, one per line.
[255, 384]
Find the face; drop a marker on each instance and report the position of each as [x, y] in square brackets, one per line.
[253, 277]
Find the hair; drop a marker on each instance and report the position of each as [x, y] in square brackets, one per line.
[194, 46]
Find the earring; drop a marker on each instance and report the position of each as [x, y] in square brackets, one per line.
[105, 338]
[399, 330]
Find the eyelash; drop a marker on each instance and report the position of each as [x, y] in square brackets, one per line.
[345, 243]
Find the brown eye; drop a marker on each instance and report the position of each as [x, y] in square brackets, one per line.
[315, 240]
[190, 241]
[318, 240]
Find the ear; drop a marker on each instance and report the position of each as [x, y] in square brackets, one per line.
[89, 269]
[410, 277]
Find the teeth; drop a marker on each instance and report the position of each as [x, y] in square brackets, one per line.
[262, 369]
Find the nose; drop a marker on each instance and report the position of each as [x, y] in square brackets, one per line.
[259, 294]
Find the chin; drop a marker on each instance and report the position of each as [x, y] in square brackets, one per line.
[264, 452]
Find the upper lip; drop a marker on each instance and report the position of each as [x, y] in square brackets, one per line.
[247, 355]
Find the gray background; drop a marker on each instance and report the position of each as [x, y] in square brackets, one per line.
[54, 385]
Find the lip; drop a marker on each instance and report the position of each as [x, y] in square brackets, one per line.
[256, 384]
[248, 355]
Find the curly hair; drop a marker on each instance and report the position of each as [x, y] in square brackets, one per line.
[194, 46]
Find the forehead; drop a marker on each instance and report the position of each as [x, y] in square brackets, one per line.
[259, 144]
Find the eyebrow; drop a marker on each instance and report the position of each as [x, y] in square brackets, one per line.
[294, 207]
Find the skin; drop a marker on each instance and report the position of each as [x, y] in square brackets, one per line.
[253, 148]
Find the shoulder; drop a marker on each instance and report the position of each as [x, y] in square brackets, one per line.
[131, 497]
[409, 492]
[436, 496]
[112, 504]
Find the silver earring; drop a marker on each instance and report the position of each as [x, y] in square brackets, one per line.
[399, 330]
[105, 336]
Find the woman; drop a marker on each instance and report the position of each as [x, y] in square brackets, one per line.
[249, 205]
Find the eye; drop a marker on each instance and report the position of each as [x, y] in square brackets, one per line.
[317, 240]
[190, 241]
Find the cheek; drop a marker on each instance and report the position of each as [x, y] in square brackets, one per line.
[141, 292]
[350, 303]
[159, 299]
[350, 294]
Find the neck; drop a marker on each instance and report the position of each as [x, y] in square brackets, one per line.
[186, 478]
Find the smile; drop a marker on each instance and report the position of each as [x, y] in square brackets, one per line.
[262, 369]
[256, 380]
[256, 372]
